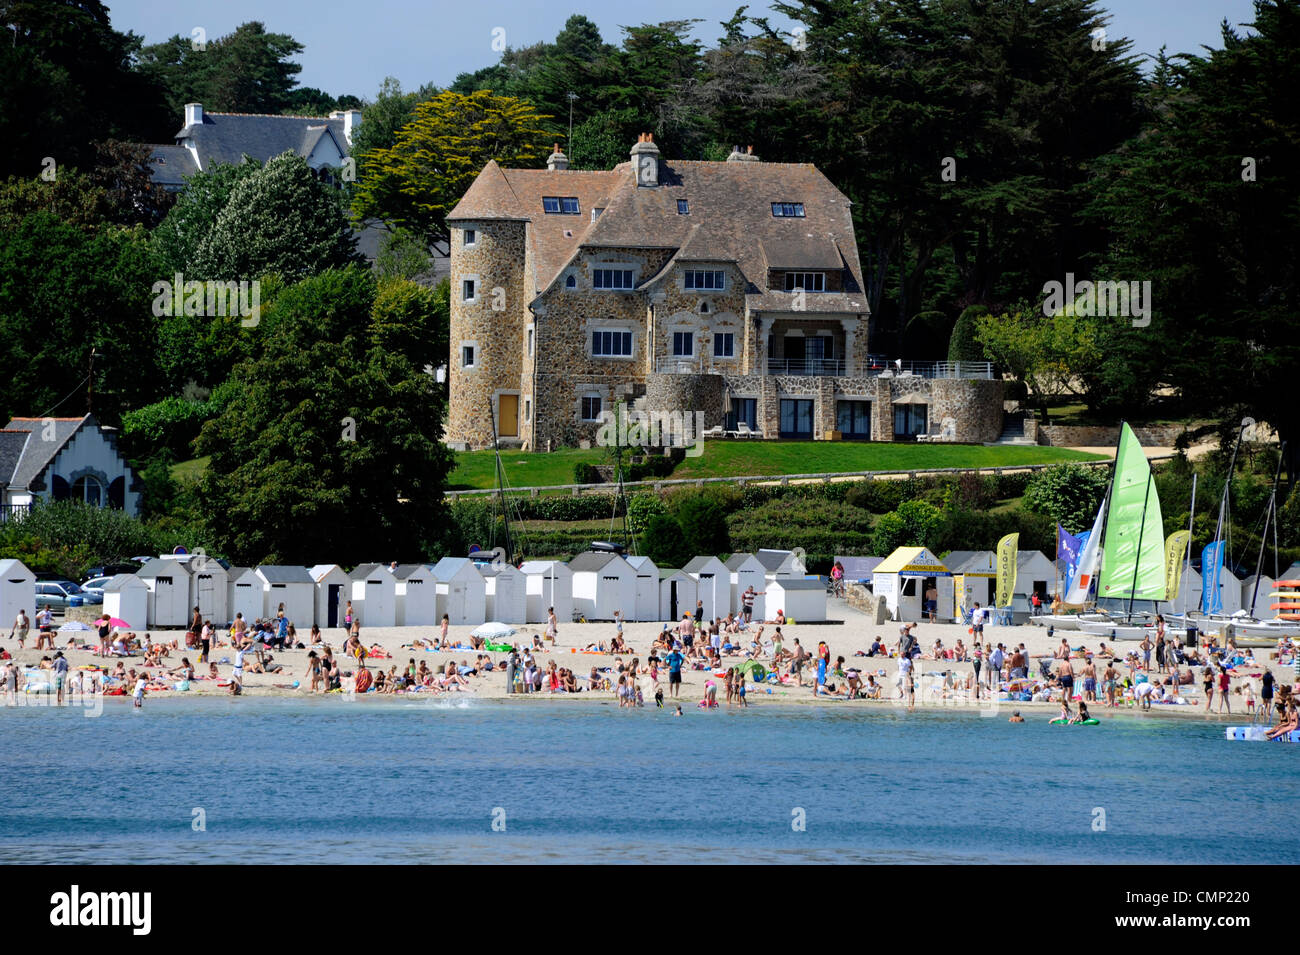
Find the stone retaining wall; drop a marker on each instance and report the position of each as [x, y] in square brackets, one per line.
[1100, 436]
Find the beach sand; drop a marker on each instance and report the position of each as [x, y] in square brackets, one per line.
[849, 632]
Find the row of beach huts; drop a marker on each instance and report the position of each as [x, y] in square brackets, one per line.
[595, 585]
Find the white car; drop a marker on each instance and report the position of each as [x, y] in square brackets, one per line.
[95, 585]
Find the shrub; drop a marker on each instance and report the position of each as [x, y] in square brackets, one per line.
[641, 508]
[703, 525]
[664, 543]
[913, 524]
[584, 473]
[962, 345]
[1067, 493]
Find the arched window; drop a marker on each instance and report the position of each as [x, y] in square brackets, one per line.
[90, 490]
[570, 281]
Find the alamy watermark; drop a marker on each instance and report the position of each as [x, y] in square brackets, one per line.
[210, 299]
[1114, 299]
[653, 429]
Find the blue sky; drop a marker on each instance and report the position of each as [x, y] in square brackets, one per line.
[351, 47]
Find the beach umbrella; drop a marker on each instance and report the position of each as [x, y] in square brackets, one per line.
[76, 626]
[493, 630]
[118, 622]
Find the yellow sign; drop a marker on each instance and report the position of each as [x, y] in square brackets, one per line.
[1008, 548]
[1175, 545]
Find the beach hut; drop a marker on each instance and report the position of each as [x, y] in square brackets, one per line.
[904, 576]
[1035, 573]
[292, 586]
[549, 583]
[1230, 592]
[781, 563]
[603, 583]
[647, 589]
[374, 595]
[745, 571]
[168, 581]
[678, 592]
[802, 598]
[332, 583]
[974, 574]
[505, 593]
[127, 598]
[1260, 595]
[244, 594]
[17, 591]
[462, 593]
[417, 596]
[209, 591]
[714, 585]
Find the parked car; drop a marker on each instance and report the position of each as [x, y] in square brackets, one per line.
[95, 585]
[62, 594]
[109, 570]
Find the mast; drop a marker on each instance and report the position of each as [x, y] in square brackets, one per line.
[1191, 516]
[1105, 504]
[1137, 562]
[1270, 513]
[1223, 508]
[501, 482]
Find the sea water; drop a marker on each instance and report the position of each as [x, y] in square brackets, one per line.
[468, 780]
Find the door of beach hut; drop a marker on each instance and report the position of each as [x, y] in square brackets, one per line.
[331, 585]
[417, 596]
[127, 598]
[677, 594]
[17, 591]
[168, 581]
[505, 594]
[549, 583]
[647, 589]
[714, 583]
[246, 598]
[461, 590]
[374, 595]
[209, 591]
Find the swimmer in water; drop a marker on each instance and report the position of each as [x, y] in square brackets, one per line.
[1016, 717]
[679, 710]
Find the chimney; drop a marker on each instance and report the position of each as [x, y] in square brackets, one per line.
[193, 114]
[645, 161]
[557, 160]
[351, 120]
[746, 156]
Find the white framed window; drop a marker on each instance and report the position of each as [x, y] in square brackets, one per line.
[590, 409]
[724, 345]
[611, 343]
[470, 238]
[560, 205]
[469, 289]
[613, 279]
[683, 344]
[468, 354]
[808, 281]
[705, 280]
[89, 490]
[787, 210]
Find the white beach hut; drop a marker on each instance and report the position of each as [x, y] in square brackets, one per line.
[802, 598]
[549, 584]
[1260, 594]
[374, 595]
[647, 589]
[904, 576]
[462, 592]
[332, 586]
[17, 591]
[292, 586]
[745, 571]
[209, 590]
[603, 583]
[1035, 573]
[974, 574]
[245, 596]
[713, 583]
[168, 581]
[505, 593]
[678, 592]
[781, 563]
[127, 598]
[417, 596]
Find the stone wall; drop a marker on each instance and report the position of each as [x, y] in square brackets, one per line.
[684, 395]
[1086, 436]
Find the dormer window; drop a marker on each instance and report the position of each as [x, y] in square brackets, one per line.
[787, 210]
[683, 207]
[615, 279]
[712, 280]
[560, 205]
[807, 281]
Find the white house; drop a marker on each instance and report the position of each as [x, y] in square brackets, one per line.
[781, 563]
[209, 591]
[244, 594]
[18, 592]
[417, 596]
[505, 591]
[332, 583]
[168, 581]
[903, 578]
[292, 586]
[647, 589]
[374, 595]
[678, 592]
[56, 459]
[974, 575]
[1035, 574]
[462, 592]
[603, 583]
[549, 584]
[126, 597]
[713, 583]
[745, 571]
[802, 598]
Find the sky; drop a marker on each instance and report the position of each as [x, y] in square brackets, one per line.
[351, 46]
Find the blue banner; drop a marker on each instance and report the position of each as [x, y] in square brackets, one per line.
[1068, 549]
[1211, 567]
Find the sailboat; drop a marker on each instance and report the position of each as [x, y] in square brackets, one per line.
[1244, 627]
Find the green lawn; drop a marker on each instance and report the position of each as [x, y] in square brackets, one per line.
[187, 472]
[477, 469]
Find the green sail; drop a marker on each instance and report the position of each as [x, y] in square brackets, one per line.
[1134, 516]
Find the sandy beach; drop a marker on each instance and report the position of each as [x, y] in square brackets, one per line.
[848, 633]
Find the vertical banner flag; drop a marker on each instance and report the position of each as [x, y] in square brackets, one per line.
[1007, 549]
[1175, 545]
[1067, 550]
[1085, 574]
[1211, 570]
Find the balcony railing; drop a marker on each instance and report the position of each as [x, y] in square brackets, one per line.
[876, 367]
[886, 368]
[10, 511]
[822, 367]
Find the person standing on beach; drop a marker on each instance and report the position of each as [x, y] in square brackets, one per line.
[820, 680]
[996, 659]
[552, 627]
[1090, 682]
[22, 625]
[977, 617]
[1207, 682]
[1145, 646]
[45, 627]
[908, 686]
[10, 676]
[140, 683]
[1266, 694]
[977, 661]
[60, 675]
[674, 661]
[699, 613]
[1224, 700]
[512, 665]
[747, 603]
[797, 661]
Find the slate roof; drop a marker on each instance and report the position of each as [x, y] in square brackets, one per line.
[285, 574]
[404, 571]
[973, 561]
[592, 561]
[638, 562]
[799, 583]
[228, 137]
[119, 582]
[449, 567]
[772, 559]
[696, 564]
[162, 567]
[171, 165]
[37, 453]
[362, 571]
[730, 220]
[735, 561]
[11, 452]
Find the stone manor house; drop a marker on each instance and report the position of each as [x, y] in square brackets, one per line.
[731, 289]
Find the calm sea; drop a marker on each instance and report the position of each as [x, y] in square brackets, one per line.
[476, 781]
